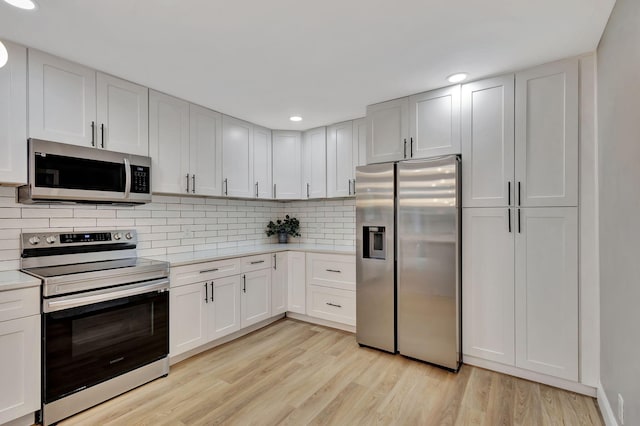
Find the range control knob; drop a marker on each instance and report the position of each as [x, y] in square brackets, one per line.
[34, 240]
[117, 236]
[128, 236]
[51, 239]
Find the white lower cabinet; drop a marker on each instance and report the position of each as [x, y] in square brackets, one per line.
[520, 288]
[256, 297]
[297, 284]
[331, 287]
[224, 310]
[188, 318]
[332, 304]
[279, 280]
[19, 353]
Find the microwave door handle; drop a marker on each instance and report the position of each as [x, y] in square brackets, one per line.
[127, 178]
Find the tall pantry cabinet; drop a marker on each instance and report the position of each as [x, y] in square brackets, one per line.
[520, 227]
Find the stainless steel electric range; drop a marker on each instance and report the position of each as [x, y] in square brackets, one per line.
[105, 317]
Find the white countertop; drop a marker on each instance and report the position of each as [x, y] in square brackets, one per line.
[12, 280]
[180, 259]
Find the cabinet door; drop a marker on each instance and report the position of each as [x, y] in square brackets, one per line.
[224, 308]
[168, 142]
[13, 116]
[487, 143]
[340, 170]
[488, 284]
[188, 317]
[19, 367]
[547, 291]
[123, 115]
[360, 142]
[434, 123]
[547, 135]
[314, 163]
[62, 100]
[279, 283]
[262, 162]
[287, 165]
[387, 131]
[205, 146]
[237, 157]
[297, 283]
[256, 296]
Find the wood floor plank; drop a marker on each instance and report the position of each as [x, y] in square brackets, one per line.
[294, 373]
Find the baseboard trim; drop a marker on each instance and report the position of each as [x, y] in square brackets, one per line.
[530, 375]
[326, 323]
[605, 407]
[221, 341]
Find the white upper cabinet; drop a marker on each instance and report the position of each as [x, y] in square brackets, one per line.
[360, 138]
[205, 151]
[487, 142]
[169, 143]
[262, 162]
[546, 135]
[237, 152]
[487, 284]
[546, 291]
[123, 115]
[62, 100]
[341, 147]
[387, 131]
[13, 116]
[314, 163]
[434, 123]
[287, 170]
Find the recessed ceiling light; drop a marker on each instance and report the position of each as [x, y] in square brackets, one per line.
[4, 55]
[454, 78]
[295, 118]
[22, 4]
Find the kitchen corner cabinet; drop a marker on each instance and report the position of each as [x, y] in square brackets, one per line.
[74, 104]
[387, 130]
[19, 353]
[314, 163]
[546, 135]
[13, 117]
[279, 282]
[488, 142]
[297, 283]
[205, 151]
[237, 152]
[342, 155]
[262, 162]
[256, 297]
[434, 123]
[169, 143]
[287, 165]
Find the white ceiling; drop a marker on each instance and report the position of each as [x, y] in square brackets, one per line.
[325, 60]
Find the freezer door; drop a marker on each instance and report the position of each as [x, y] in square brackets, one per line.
[375, 255]
[428, 222]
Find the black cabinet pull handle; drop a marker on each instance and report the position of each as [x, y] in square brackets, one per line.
[187, 175]
[102, 135]
[255, 262]
[256, 189]
[411, 147]
[275, 262]
[212, 297]
[93, 133]
[206, 293]
[519, 224]
[519, 195]
[307, 190]
[333, 270]
[209, 270]
[226, 186]
[274, 190]
[509, 193]
[334, 305]
[354, 186]
[193, 179]
[244, 283]
[404, 152]
[509, 214]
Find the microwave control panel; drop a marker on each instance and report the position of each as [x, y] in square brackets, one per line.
[140, 179]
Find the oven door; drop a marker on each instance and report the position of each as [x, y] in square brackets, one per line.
[94, 336]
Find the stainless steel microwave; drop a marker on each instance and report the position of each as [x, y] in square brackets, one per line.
[61, 172]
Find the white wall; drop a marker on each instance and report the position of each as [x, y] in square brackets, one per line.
[619, 204]
[173, 224]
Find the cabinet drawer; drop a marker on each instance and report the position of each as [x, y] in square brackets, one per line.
[331, 270]
[19, 303]
[190, 274]
[332, 304]
[254, 263]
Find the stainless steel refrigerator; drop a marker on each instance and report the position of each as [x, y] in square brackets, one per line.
[408, 258]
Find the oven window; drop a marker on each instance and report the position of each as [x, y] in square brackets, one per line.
[88, 345]
[58, 171]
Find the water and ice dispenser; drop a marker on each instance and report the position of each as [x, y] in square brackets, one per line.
[374, 239]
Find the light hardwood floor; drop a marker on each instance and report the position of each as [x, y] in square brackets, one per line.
[295, 373]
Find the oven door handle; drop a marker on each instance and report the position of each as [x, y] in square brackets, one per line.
[127, 178]
[104, 295]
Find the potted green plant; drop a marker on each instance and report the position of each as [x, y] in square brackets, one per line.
[284, 228]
